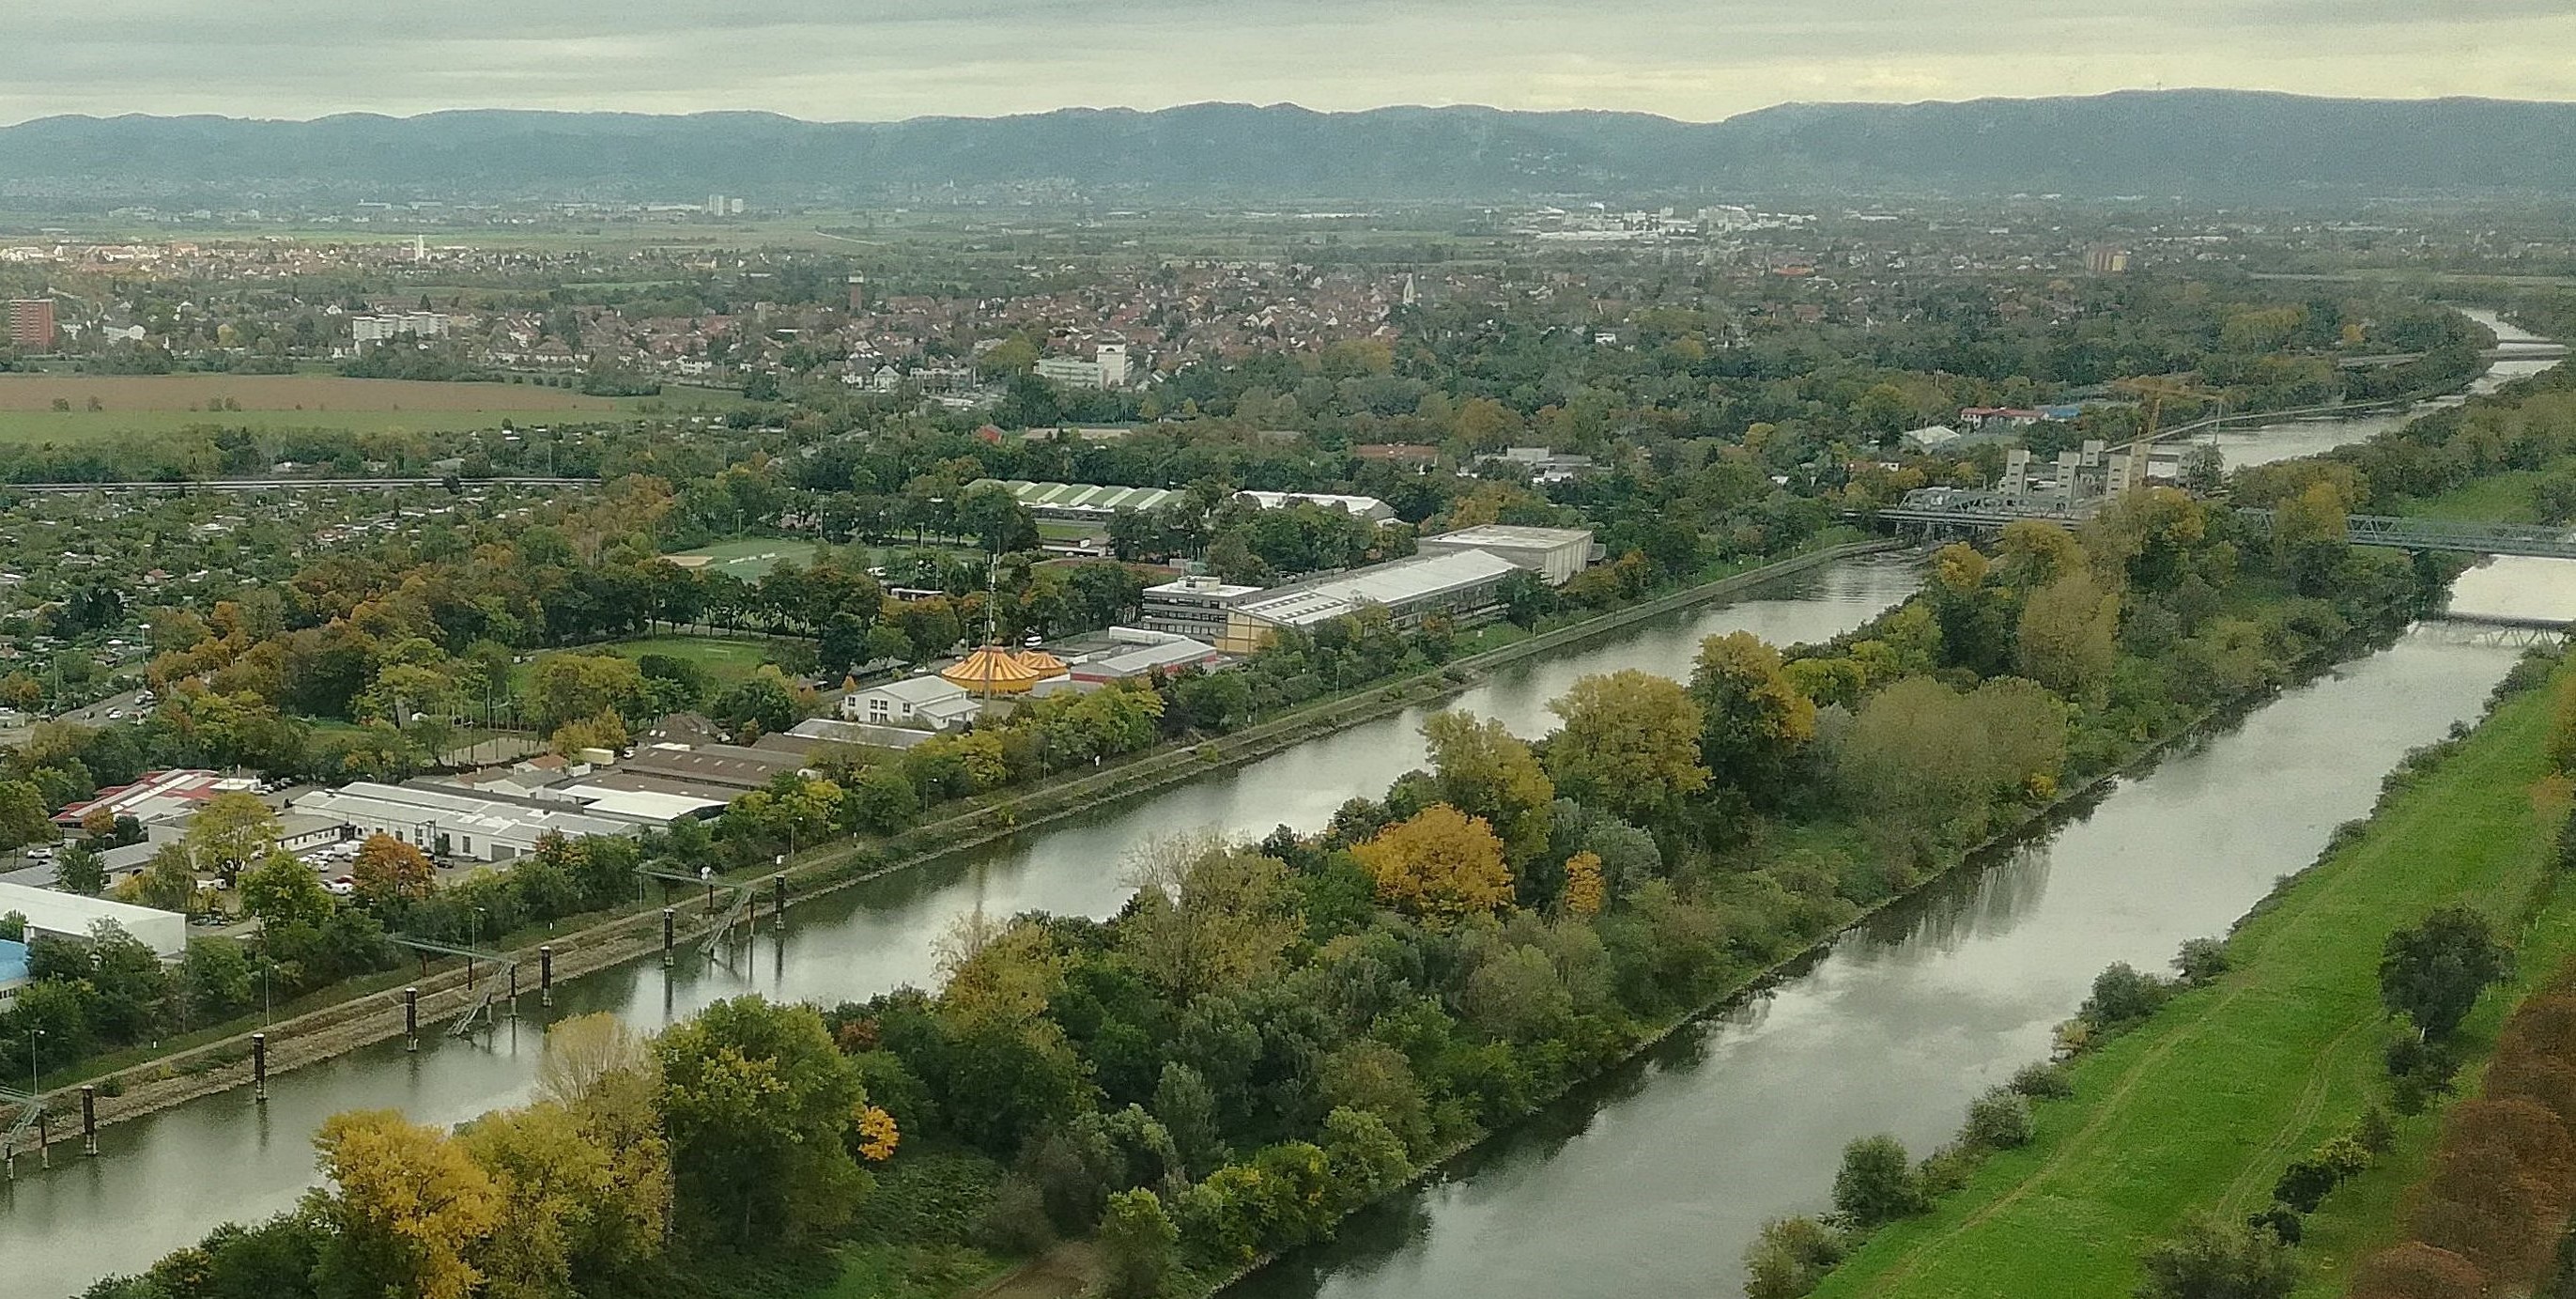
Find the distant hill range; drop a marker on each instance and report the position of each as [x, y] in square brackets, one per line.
[2205, 144]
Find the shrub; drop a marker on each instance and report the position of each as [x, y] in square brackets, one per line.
[2281, 1220]
[2213, 1259]
[2201, 960]
[1016, 1221]
[1877, 1183]
[1998, 1120]
[2043, 1081]
[2415, 1270]
[1137, 1240]
[2122, 996]
[1789, 1258]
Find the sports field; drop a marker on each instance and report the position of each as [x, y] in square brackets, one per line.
[2201, 1108]
[748, 558]
[167, 403]
[725, 660]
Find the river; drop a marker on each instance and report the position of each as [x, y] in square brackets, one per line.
[1653, 1182]
[2290, 439]
[162, 1181]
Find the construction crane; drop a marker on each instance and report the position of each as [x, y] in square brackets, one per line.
[2152, 391]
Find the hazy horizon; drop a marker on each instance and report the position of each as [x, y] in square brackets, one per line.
[1244, 103]
[873, 61]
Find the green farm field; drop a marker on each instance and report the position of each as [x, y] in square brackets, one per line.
[169, 403]
[2203, 1106]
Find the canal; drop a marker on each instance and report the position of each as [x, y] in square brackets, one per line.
[162, 1181]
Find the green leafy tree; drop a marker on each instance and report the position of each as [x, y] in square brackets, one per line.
[757, 1100]
[1484, 770]
[882, 800]
[283, 891]
[1629, 742]
[1755, 721]
[230, 832]
[2433, 973]
[79, 870]
[1137, 1245]
[2215, 1258]
[1790, 1258]
[1876, 1183]
[215, 977]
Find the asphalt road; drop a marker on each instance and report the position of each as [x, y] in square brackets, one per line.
[97, 714]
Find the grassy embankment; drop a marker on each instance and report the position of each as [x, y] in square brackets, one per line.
[2203, 1106]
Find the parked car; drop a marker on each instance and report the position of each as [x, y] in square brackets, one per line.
[343, 886]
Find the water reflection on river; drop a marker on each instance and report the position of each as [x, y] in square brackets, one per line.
[2291, 439]
[164, 1180]
[1655, 1185]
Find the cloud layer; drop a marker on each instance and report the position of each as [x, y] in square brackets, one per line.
[880, 59]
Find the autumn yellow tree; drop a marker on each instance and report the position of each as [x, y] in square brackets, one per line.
[1756, 720]
[558, 1196]
[1441, 864]
[1584, 890]
[878, 1135]
[2066, 640]
[1209, 917]
[405, 1205]
[386, 867]
[1629, 742]
[997, 970]
[1484, 770]
[230, 832]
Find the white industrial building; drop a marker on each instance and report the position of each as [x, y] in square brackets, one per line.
[1367, 507]
[73, 916]
[1556, 554]
[1464, 585]
[454, 824]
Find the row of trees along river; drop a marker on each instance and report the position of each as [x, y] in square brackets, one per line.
[1650, 1183]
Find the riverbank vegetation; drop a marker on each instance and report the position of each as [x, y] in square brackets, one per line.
[1273, 1034]
[2079, 1211]
[2265, 1098]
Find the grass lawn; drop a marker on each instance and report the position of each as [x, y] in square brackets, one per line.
[724, 659]
[2497, 498]
[748, 558]
[2204, 1106]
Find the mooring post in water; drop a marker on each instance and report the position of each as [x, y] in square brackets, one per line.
[546, 976]
[89, 1120]
[778, 912]
[259, 1068]
[514, 990]
[411, 1019]
[666, 938]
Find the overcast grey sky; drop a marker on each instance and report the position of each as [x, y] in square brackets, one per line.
[877, 59]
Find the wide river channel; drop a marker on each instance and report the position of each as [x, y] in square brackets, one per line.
[1648, 1184]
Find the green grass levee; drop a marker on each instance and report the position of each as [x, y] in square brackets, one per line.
[2203, 1106]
